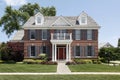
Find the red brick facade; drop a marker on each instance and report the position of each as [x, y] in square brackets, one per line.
[83, 42]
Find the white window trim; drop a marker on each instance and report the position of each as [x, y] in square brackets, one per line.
[80, 21]
[42, 20]
[76, 35]
[89, 34]
[30, 53]
[30, 34]
[42, 35]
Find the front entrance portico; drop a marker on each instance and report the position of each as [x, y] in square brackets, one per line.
[62, 54]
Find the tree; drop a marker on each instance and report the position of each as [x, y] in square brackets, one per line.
[106, 54]
[12, 20]
[31, 9]
[48, 11]
[119, 43]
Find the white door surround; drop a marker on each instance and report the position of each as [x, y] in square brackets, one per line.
[54, 52]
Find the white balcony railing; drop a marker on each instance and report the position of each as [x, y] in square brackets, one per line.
[61, 36]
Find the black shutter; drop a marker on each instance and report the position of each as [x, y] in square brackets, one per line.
[93, 50]
[37, 34]
[28, 51]
[82, 34]
[85, 34]
[48, 34]
[74, 51]
[85, 51]
[40, 34]
[28, 35]
[41, 49]
[73, 34]
[48, 50]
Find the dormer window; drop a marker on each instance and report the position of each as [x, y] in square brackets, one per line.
[83, 20]
[39, 19]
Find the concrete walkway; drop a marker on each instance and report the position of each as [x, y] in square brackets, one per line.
[62, 68]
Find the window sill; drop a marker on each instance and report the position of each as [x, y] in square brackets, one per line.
[32, 39]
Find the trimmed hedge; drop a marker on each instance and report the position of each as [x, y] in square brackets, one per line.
[87, 61]
[37, 61]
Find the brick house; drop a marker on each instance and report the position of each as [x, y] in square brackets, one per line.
[60, 37]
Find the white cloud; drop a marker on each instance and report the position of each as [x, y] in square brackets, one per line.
[15, 2]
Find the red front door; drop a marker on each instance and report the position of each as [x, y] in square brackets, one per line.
[61, 53]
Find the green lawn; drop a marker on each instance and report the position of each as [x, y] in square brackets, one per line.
[27, 68]
[94, 68]
[62, 77]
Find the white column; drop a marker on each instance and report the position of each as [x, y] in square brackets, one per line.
[69, 52]
[53, 59]
[55, 52]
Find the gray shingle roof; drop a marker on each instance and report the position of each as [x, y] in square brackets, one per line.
[105, 45]
[18, 36]
[49, 20]
[52, 21]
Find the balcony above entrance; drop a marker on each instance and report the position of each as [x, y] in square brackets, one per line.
[61, 38]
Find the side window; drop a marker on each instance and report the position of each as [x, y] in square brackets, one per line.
[32, 34]
[89, 34]
[78, 51]
[90, 50]
[44, 34]
[77, 34]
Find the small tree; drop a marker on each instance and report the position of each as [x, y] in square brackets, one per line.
[43, 56]
[106, 54]
[119, 43]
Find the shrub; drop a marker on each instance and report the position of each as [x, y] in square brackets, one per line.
[1, 61]
[29, 61]
[43, 56]
[83, 61]
[70, 63]
[9, 62]
[96, 61]
[32, 61]
[51, 63]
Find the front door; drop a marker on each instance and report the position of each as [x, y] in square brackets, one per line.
[61, 53]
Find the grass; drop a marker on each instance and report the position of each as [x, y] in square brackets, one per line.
[94, 68]
[27, 68]
[62, 77]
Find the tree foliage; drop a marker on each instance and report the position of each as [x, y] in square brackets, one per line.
[108, 54]
[31, 9]
[13, 19]
[48, 11]
[119, 43]
[11, 51]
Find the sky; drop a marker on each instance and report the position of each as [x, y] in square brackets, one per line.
[105, 12]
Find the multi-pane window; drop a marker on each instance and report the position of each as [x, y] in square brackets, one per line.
[83, 20]
[77, 34]
[60, 34]
[89, 34]
[32, 51]
[32, 34]
[77, 51]
[44, 49]
[38, 20]
[44, 34]
[90, 50]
